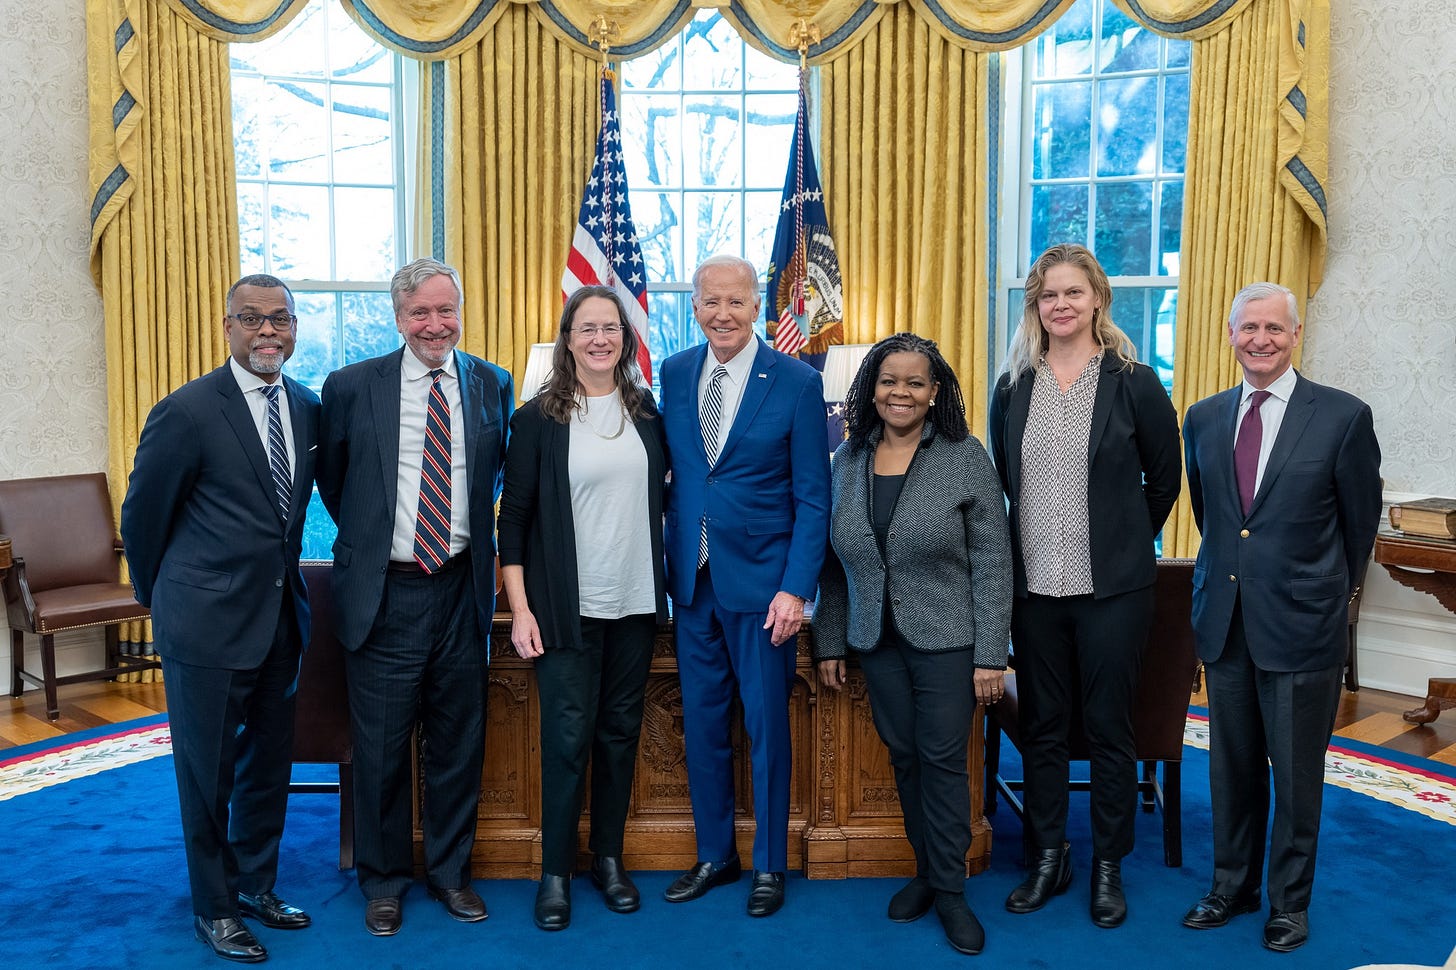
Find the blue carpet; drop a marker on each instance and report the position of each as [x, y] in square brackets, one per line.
[94, 877]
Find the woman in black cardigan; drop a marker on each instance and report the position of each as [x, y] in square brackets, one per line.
[581, 558]
[1086, 444]
[918, 583]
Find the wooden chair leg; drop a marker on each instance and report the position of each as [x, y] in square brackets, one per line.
[17, 662]
[1352, 665]
[1172, 814]
[993, 759]
[346, 816]
[113, 647]
[1148, 790]
[48, 675]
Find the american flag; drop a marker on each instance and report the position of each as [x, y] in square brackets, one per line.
[604, 248]
[805, 291]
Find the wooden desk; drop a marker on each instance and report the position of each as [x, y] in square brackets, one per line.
[844, 814]
[1427, 565]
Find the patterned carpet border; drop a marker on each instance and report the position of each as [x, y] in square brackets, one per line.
[28, 770]
[1411, 787]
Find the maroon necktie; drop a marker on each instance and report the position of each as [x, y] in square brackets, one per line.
[1246, 449]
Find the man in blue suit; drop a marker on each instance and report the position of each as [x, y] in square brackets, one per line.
[410, 469]
[1284, 477]
[747, 523]
[213, 527]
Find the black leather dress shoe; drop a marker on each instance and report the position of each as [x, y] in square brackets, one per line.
[229, 939]
[702, 877]
[553, 902]
[912, 901]
[464, 903]
[1286, 931]
[1109, 906]
[1216, 909]
[962, 930]
[610, 876]
[383, 916]
[1050, 875]
[272, 912]
[767, 895]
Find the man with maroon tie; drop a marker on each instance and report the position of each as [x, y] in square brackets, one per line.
[1284, 478]
[412, 446]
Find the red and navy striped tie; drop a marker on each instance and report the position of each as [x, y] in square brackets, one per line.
[432, 529]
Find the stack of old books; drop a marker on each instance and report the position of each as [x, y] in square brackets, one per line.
[1427, 518]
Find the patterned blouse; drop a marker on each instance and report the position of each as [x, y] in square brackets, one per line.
[1055, 530]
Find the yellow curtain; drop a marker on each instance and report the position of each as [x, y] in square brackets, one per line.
[907, 152]
[520, 122]
[164, 245]
[1258, 132]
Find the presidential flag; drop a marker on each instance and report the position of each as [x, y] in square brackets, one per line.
[604, 248]
[805, 294]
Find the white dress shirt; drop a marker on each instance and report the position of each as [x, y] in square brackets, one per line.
[738, 367]
[252, 387]
[414, 402]
[1271, 415]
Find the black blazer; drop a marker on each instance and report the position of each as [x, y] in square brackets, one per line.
[358, 468]
[207, 549]
[1133, 471]
[537, 531]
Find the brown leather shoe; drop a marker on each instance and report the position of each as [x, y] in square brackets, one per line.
[272, 912]
[229, 939]
[383, 916]
[464, 903]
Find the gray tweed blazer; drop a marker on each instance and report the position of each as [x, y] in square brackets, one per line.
[947, 561]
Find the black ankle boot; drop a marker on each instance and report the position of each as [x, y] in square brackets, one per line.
[1109, 908]
[553, 902]
[1050, 875]
[610, 876]
[962, 930]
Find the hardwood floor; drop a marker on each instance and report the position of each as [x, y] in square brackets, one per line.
[1372, 716]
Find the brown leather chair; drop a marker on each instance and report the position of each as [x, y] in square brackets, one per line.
[64, 576]
[321, 713]
[1161, 710]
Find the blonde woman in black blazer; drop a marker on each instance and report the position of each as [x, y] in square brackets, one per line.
[581, 559]
[1086, 444]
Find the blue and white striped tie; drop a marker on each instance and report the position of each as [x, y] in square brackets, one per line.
[278, 451]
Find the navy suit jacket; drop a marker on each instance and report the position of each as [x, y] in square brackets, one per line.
[359, 469]
[207, 549]
[766, 500]
[1132, 471]
[1291, 563]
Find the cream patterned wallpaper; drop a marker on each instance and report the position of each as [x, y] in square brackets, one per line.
[1383, 325]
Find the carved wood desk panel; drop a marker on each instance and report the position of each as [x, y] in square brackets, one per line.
[844, 814]
[1427, 565]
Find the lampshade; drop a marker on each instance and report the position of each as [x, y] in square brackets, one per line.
[538, 368]
[841, 364]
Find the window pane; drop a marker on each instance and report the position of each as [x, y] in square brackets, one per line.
[319, 531]
[659, 233]
[295, 50]
[659, 69]
[354, 55]
[1127, 133]
[368, 323]
[761, 221]
[1061, 130]
[1129, 311]
[1125, 228]
[298, 148]
[713, 224]
[770, 137]
[670, 325]
[1065, 48]
[652, 140]
[317, 345]
[250, 228]
[1170, 228]
[364, 234]
[1126, 46]
[712, 55]
[1058, 215]
[1175, 122]
[363, 149]
[711, 153]
[765, 73]
[249, 129]
[1178, 52]
[298, 236]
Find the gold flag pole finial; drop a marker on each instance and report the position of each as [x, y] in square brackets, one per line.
[603, 32]
[802, 35]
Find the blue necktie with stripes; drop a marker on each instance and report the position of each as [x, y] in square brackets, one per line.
[432, 528]
[278, 451]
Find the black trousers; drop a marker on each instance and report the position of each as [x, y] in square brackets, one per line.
[922, 704]
[591, 708]
[1258, 720]
[232, 749]
[424, 663]
[1077, 652]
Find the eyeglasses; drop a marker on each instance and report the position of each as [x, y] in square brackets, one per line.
[606, 330]
[254, 321]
